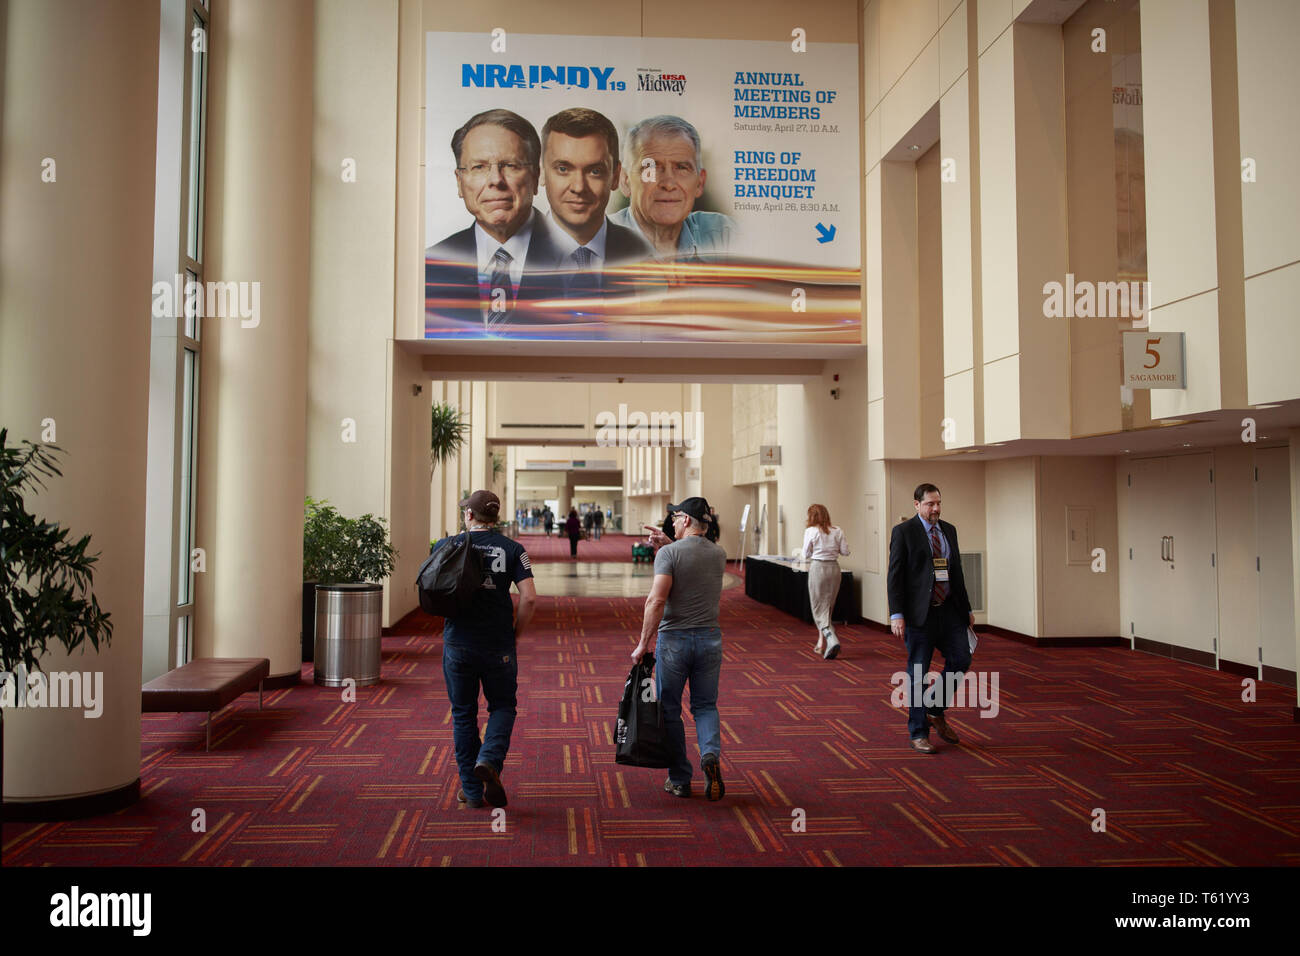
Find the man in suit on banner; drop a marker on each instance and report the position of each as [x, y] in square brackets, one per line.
[580, 168]
[929, 608]
[485, 275]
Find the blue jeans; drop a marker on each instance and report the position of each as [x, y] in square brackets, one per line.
[695, 655]
[464, 668]
[945, 631]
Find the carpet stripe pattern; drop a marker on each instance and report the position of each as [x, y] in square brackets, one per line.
[815, 758]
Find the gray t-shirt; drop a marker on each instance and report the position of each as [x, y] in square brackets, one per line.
[697, 566]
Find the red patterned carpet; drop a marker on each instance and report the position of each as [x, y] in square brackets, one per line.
[816, 762]
[610, 547]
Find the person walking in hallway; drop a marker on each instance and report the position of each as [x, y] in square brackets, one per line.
[548, 520]
[573, 528]
[823, 543]
[929, 609]
[681, 614]
[598, 520]
[478, 649]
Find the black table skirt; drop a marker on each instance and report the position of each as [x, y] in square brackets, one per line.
[781, 586]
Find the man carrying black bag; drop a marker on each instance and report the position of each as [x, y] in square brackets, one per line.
[682, 611]
[479, 648]
[639, 736]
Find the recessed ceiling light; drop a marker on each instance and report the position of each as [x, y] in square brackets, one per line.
[914, 147]
[1187, 444]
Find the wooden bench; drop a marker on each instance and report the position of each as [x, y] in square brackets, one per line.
[208, 683]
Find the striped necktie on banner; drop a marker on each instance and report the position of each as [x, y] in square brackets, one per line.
[500, 289]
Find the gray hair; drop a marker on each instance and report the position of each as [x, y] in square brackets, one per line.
[659, 126]
[697, 525]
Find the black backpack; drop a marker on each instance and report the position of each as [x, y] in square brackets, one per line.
[450, 577]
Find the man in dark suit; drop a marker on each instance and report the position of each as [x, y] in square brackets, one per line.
[929, 608]
[484, 278]
[580, 168]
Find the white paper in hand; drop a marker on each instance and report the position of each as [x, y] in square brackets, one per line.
[971, 638]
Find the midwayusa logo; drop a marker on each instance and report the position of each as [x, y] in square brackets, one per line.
[657, 81]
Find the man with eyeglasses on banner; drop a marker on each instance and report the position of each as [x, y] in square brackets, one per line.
[509, 246]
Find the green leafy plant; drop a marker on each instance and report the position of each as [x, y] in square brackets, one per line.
[45, 579]
[449, 434]
[340, 550]
[498, 466]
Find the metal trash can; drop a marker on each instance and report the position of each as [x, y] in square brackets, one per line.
[348, 639]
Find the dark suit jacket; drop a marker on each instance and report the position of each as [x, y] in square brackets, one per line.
[911, 571]
[451, 288]
[623, 247]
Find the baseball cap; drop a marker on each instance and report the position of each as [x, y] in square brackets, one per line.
[697, 508]
[482, 502]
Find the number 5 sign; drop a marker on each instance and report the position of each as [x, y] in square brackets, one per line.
[1153, 359]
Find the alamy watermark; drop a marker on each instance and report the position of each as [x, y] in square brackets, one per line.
[1095, 300]
[77, 908]
[83, 690]
[969, 689]
[219, 300]
[637, 429]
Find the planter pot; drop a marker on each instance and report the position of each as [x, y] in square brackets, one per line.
[348, 633]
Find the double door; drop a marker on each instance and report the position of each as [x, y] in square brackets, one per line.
[1172, 560]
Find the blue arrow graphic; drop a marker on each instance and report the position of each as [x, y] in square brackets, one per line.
[826, 234]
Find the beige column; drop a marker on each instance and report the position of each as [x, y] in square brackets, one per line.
[1194, 196]
[76, 251]
[252, 424]
[963, 367]
[1022, 233]
[407, 483]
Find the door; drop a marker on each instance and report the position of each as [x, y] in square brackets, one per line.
[1277, 647]
[1172, 536]
[1148, 569]
[1192, 591]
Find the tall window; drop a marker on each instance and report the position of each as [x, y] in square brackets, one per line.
[190, 330]
[175, 349]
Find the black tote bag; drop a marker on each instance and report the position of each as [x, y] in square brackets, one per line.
[639, 739]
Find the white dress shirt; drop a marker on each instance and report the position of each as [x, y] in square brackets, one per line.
[516, 245]
[569, 245]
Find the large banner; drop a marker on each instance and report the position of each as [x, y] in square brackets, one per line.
[634, 189]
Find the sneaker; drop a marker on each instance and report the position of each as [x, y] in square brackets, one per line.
[493, 792]
[677, 789]
[832, 648]
[474, 804]
[713, 772]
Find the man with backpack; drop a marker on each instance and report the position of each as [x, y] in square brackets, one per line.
[479, 649]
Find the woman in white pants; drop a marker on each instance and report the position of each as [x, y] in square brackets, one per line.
[823, 543]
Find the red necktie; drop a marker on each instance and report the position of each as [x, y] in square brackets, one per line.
[940, 587]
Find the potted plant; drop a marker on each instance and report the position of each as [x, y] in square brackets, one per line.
[448, 436]
[45, 579]
[342, 556]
